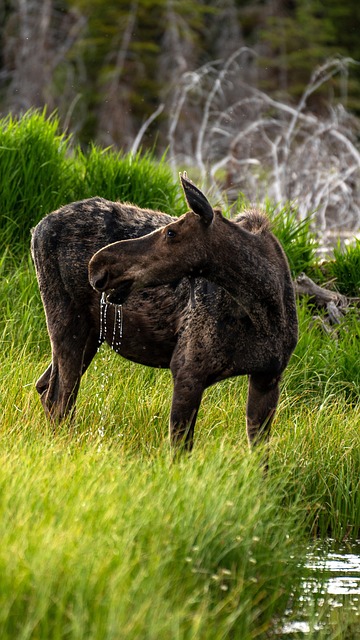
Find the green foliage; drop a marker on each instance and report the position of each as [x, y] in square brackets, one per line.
[112, 63]
[39, 174]
[345, 269]
[138, 179]
[301, 37]
[35, 174]
[295, 236]
[129, 67]
[326, 365]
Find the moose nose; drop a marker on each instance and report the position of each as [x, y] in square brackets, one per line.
[99, 280]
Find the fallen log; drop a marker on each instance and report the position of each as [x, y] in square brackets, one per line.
[335, 304]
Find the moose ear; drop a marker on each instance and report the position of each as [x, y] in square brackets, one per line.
[196, 200]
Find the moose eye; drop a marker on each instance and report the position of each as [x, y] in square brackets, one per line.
[171, 233]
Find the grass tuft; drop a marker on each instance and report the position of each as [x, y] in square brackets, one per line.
[137, 179]
[296, 237]
[36, 176]
[345, 269]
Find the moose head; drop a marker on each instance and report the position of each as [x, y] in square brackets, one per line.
[163, 256]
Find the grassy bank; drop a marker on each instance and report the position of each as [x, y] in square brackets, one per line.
[314, 448]
[101, 532]
[98, 545]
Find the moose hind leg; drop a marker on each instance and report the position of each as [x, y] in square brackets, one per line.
[186, 400]
[42, 383]
[72, 353]
[263, 397]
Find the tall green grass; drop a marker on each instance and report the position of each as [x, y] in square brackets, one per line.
[138, 179]
[104, 537]
[317, 448]
[296, 237]
[97, 546]
[40, 171]
[36, 176]
[344, 269]
[325, 365]
[22, 320]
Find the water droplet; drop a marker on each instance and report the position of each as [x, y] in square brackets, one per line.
[117, 333]
[118, 328]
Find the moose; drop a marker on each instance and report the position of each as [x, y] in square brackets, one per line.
[205, 296]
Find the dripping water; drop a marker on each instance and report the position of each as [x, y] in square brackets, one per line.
[103, 314]
[117, 333]
[118, 328]
[106, 328]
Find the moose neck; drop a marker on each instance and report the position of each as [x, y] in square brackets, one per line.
[247, 266]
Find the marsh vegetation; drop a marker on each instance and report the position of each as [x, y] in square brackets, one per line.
[102, 535]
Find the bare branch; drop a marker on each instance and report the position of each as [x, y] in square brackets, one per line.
[143, 128]
[245, 140]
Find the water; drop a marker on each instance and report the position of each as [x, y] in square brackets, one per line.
[330, 591]
[108, 326]
[342, 571]
[117, 331]
[103, 319]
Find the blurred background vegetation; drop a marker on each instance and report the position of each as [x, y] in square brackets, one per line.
[260, 97]
[107, 66]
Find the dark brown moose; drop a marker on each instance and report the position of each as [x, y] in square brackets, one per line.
[203, 332]
[238, 315]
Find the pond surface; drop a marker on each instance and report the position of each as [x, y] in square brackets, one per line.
[331, 593]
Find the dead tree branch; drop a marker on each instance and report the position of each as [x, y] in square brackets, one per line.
[335, 304]
[244, 140]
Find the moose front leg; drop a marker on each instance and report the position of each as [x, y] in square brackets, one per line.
[263, 397]
[186, 400]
